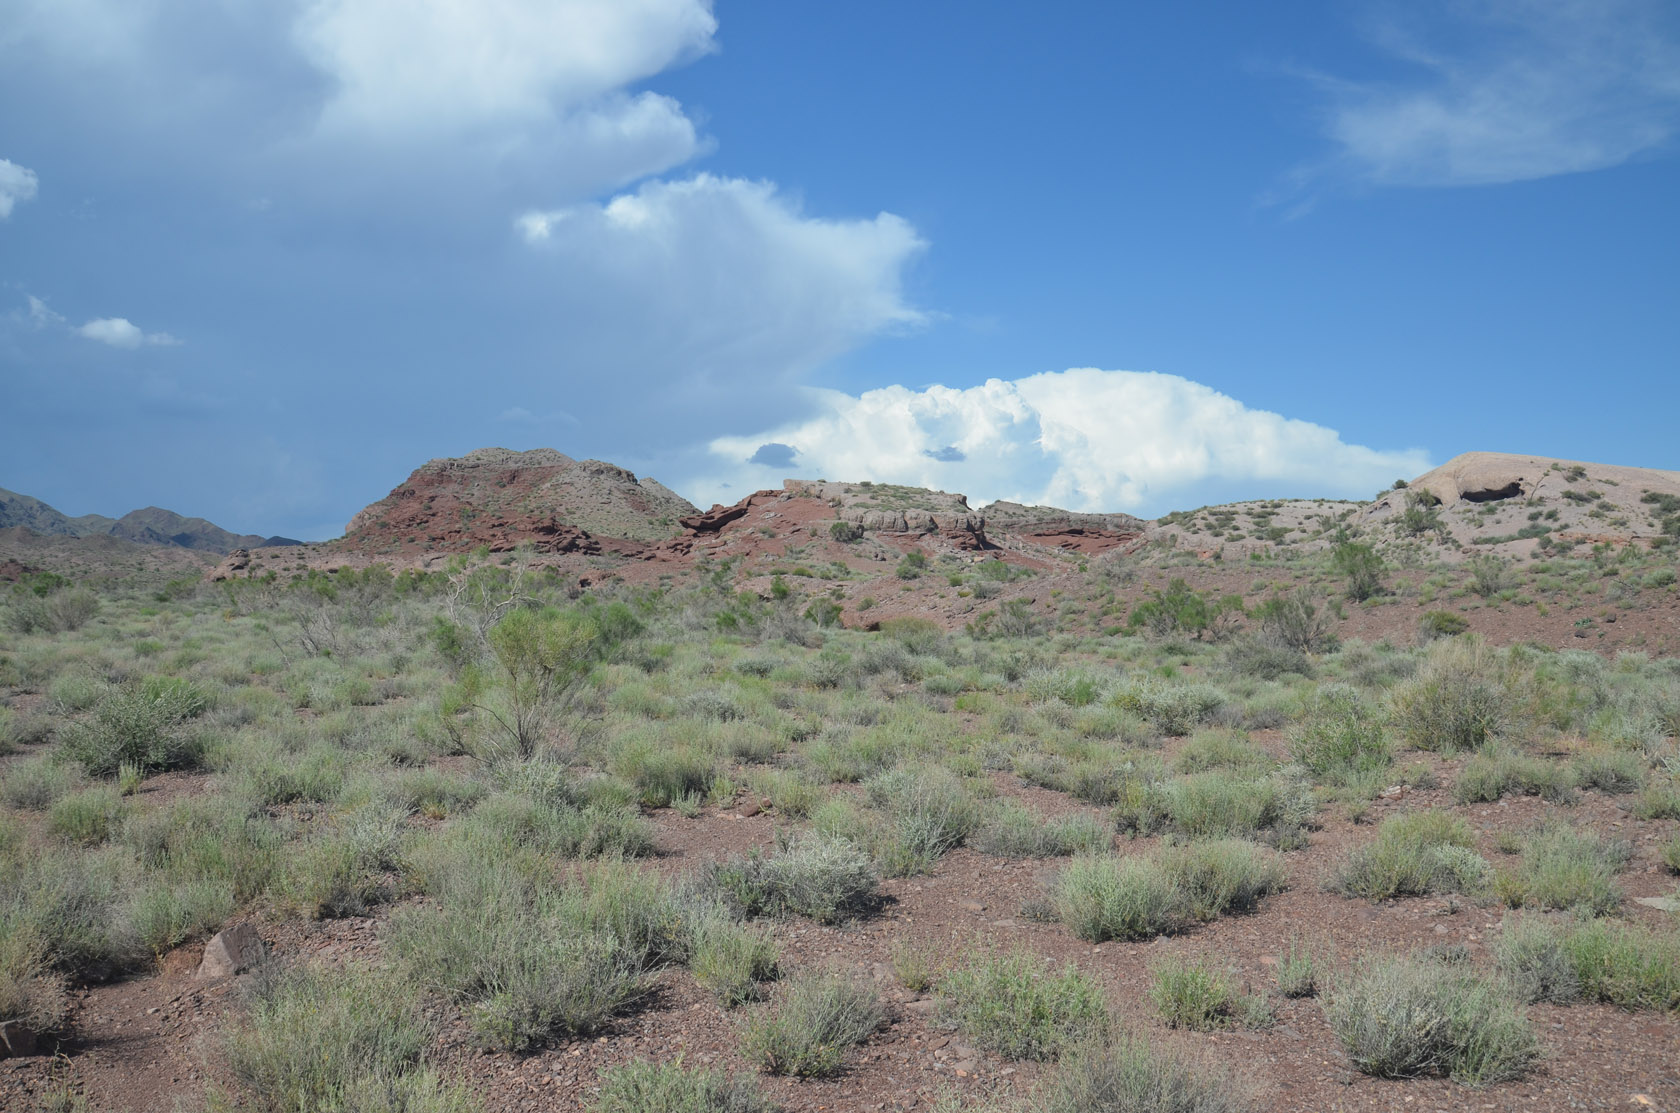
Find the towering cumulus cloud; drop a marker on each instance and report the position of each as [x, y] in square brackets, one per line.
[1083, 439]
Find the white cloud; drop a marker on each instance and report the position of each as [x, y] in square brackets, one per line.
[17, 183]
[442, 66]
[1082, 439]
[710, 296]
[1530, 89]
[120, 332]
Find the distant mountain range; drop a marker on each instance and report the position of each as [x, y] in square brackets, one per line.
[151, 526]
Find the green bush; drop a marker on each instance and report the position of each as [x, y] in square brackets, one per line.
[1221, 876]
[1189, 993]
[1174, 709]
[1297, 971]
[143, 725]
[827, 879]
[1461, 698]
[1011, 831]
[1412, 854]
[1405, 1016]
[1569, 868]
[1340, 736]
[317, 1039]
[1125, 1074]
[1499, 772]
[643, 1086]
[36, 783]
[931, 812]
[1120, 898]
[729, 960]
[88, 816]
[1621, 964]
[1442, 624]
[816, 1017]
[1616, 772]
[1011, 1005]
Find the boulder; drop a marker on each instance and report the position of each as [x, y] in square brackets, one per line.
[232, 951]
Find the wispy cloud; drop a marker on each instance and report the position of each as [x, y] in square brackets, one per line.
[17, 183]
[1085, 439]
[1509, 90]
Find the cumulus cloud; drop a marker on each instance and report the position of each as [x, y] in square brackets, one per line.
[1082, 439]
[1529, 89]
[17, 183]
[120, 332]
[713, 295]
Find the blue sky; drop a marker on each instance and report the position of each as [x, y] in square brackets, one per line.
[260, 260]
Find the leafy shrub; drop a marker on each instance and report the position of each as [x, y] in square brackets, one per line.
[1174, 709]
[1182, 610]
[816, 1017]
[1455, 1022]
[1442, 624]
[1120, 898]
[1362, 566]
[1009, 1004]
[1294, 623]
[643, 1086]
[1218, 804]
[1412, 854]
[930, 811]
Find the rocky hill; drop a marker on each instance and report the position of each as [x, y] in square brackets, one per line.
[150, 526]
[501, 498]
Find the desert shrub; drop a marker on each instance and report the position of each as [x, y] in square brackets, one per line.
[1452, 1022]
[1660, 800]
[1412, 854]
[1182, 610]
[644, 1086]
[665, 773]
[342, 870]
[917, 967]
[1340, 736]
[32, 995]
[529, 964]
[1100, 898]
[1125, 1074]
[1174, 709]
[57, 612]
[1297, 971]
[1220, 749]
[1218, 804]
[1011, 831]
[35, 784]
[827, 879]
[1614, 772]
[1262, 659]
[931, 812]
[1441, 624]
[144, 725]
[433, 793]
[1010, 1004]
[816, 1017]
[1566, 867]
[1601, 960]
[354, 1038]
[68, 907]
[728, 959]
[166, 915]
[791, 794]
[1460, 699]
[88, 816]
[1190, 993]
[1498, 772]
[1362, 566]
[1221, 876]
[1293, 624]
[1671, 854]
